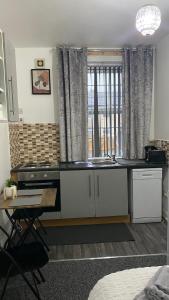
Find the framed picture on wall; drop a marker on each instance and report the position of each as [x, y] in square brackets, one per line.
[40, 81]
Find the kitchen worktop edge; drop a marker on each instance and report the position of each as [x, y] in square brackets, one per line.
[71, 166]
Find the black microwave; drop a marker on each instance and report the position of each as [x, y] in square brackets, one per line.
[152, 154]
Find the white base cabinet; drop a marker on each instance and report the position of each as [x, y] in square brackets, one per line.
[94, 193]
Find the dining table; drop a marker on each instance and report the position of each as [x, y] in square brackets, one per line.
[47, 199]
[25, 200]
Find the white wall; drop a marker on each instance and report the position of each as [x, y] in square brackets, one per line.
[4, 166]
[36, 108]
[4, 153]
[162, 90]
[162, 109]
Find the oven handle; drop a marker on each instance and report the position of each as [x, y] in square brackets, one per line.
[38, 184]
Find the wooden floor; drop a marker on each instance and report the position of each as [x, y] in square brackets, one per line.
[149, 239]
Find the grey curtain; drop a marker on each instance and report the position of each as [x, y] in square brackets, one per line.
[137, 100]
[72, 85]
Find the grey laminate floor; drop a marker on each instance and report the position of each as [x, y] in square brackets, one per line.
[149, 239]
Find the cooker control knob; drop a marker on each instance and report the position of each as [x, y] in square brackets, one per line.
[45, 175]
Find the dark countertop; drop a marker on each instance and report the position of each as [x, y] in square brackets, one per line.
[121, 164]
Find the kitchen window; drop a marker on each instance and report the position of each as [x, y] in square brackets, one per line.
[104, 110]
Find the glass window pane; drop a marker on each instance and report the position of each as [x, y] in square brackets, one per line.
[104, 110]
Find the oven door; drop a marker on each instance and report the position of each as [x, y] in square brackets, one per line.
[43, 184]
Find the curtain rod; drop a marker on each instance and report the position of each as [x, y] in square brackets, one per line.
[104, 49]
[90, 49]
[120, 49]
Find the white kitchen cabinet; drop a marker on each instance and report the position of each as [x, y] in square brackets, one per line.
[97, 193]
[111, 195]
[3, 96]
[77, 194]
[11, 82]
[8, 82]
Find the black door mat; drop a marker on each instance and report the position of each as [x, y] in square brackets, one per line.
[87, 234]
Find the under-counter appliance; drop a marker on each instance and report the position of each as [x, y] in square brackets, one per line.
[40, 175]
[146, 195]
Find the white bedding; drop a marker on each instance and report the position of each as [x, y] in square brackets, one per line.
[122, 285]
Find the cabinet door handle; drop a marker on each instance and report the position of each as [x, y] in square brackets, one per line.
[90, 188]
[12, 95]
[11, 89]
[98, 187]
[9, 96]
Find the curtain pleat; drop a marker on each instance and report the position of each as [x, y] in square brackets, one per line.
[137, 100]
[72, 95]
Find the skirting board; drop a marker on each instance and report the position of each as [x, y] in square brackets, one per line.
[147, 220]
[86, 221]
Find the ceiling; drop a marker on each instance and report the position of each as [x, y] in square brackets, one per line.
[91, 23]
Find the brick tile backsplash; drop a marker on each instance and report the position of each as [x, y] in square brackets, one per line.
[41, 142]
[34, 142]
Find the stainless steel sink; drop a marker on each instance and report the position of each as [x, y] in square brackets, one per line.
[130, 162]
[95, 161]
[105, 161]
[82, 163]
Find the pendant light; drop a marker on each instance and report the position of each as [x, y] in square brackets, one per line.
[148, 19]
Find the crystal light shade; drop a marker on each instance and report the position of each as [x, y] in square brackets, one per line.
[148, 19]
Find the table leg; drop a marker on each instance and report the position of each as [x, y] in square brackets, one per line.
[30, 229]
[17, 227]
